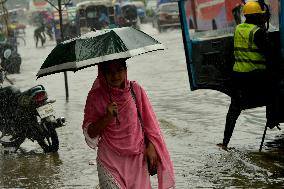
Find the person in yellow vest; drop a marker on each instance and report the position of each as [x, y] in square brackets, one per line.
[250, 76]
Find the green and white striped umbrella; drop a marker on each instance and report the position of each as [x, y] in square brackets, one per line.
[96, 47]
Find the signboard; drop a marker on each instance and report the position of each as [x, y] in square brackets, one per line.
[210, 14]
[38, 5]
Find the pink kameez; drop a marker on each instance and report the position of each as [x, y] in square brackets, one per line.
[121, 146]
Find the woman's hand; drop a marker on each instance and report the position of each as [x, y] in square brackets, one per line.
[97, 128]
[152, 155]
[111, 110]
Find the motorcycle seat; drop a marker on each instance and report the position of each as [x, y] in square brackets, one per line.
[8, 96]
[9, 90]
[32, 90]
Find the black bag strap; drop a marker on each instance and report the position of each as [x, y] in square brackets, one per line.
[135, 100]
[146, 140]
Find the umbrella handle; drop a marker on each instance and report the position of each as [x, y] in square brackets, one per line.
[108, 90]
[114, 113]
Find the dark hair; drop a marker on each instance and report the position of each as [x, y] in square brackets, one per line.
[105, 65]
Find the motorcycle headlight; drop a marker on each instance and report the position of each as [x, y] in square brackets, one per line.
[7, 53]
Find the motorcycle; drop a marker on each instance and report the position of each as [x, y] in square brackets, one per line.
[126, 15]
[26, 115]
[13, 63]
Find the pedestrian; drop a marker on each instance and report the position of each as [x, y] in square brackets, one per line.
[39, 34]
[251, 77]
[120, 123]
[49, 26]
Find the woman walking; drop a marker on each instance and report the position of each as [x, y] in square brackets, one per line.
[120, 122]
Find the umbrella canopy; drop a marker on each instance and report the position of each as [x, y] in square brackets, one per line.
[98, 46]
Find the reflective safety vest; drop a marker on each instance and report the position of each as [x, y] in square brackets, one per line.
[247, 55]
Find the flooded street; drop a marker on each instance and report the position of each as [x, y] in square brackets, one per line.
[192, 123]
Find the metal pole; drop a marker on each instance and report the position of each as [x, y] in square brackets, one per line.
[187, 44]
[263, 137]
[62, 38]
[281, 27]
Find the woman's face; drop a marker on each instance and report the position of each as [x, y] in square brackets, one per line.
[115, 75]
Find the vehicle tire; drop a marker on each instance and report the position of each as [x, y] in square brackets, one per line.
[11, 134]
[50, 142]
[14, 65]
[17, 62]
[15, 68]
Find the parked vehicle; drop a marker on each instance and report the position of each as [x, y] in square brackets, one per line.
[26, 115]
[151, 7]
[94, 15]
[9, 38]
[17, 17]
[13, 63]
[126, 14]
[166, 16]
[71, 28]
[56, 18]
[141, 12]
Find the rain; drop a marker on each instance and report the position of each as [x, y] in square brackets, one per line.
[192, 122]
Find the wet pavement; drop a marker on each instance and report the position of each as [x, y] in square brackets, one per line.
[192, 122]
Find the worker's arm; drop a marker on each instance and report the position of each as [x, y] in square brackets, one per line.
[265, 46]
[261, 41]
[269, 50]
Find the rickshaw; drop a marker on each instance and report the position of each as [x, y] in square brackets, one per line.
[126, 14]
[141, 13]
[94, 15]
[17, 17]
[56, 18]
[71, 25]
[68, 22]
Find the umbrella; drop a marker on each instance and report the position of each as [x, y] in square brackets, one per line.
[98, 46]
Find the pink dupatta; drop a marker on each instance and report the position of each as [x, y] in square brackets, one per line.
[127, 137]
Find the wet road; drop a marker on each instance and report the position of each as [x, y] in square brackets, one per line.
[192, 122]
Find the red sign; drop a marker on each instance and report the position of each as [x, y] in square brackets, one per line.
[40, 3]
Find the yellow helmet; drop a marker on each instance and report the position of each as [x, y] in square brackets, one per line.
[252, 7]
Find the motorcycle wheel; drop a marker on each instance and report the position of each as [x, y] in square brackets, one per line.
[16, 64]
[50, 142]
[10, 136]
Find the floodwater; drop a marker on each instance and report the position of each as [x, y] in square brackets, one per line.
[192, 123]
